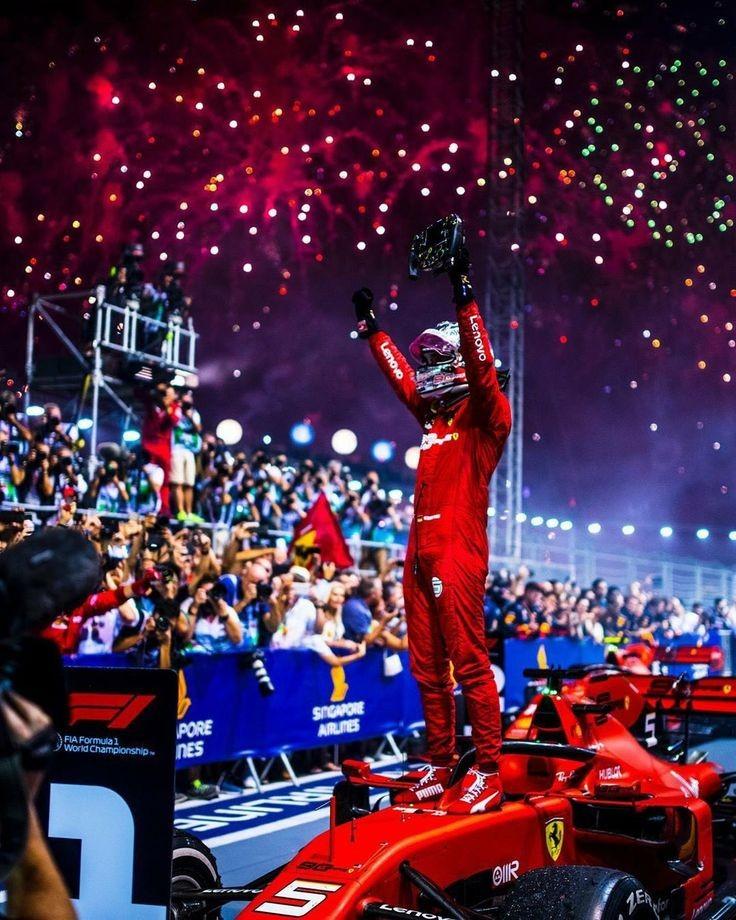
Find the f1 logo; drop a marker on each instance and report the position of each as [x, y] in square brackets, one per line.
[117, 710]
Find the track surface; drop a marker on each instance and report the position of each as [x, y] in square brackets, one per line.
[254, 832]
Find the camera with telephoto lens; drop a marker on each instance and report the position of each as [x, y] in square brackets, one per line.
[155, 541]
[264, 590]
[165, 611]
[217, 592]
[160, 622]
[166, 572]
[258, 666]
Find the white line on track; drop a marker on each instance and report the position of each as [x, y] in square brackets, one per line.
[305, 782]
[270, 827]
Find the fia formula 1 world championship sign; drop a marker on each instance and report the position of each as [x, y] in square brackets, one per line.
[109, 801]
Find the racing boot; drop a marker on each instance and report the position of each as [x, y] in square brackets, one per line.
[476, 793]
[430, 783]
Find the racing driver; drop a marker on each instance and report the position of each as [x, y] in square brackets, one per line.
[456, 397]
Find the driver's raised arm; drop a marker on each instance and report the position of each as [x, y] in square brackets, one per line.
[394, 365]
[490, 404]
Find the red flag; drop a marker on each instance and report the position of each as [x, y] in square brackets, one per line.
[320, 529]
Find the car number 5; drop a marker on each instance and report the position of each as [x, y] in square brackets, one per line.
[310, 894]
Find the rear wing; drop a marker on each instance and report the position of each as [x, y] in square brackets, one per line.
[679, 696]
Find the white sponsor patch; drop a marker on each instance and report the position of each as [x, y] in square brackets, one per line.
[410, 912]
[504, 874]
[478, 339]
[392, 362]
[437, 586]
[434, 440]
[690, 787]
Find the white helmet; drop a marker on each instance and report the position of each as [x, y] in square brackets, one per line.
[441, 372]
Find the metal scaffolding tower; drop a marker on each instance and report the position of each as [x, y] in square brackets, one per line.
[504, 291]
[142, 343]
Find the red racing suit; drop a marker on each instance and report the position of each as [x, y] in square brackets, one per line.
[158, 427]
[447, 557]
[66, 631]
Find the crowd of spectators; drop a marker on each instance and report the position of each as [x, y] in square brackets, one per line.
[168, 591]
[178, 468]
[517, 604]
[199, 513]
[231, 585]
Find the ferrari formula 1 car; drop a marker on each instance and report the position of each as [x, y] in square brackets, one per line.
[594, 823]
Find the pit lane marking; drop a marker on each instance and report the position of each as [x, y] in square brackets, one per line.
[205, 818]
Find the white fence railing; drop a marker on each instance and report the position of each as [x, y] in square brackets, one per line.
[687, 579]
[125, 329]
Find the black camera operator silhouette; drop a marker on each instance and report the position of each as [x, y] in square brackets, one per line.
[42, 577]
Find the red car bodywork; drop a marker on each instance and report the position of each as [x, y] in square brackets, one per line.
[605, 801]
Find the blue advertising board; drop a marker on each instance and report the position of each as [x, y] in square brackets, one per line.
[222, 714]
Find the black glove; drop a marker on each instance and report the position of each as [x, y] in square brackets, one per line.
[367, 323]
[462, 289]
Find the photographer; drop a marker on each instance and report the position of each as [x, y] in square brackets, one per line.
[239, 542]
[162, 416]
[253, 598]
[354, 521]
[46, 573]
[384, 525]
[186, 448]
[159, 637]
[10, 425]
[212, 623]
[297, 611]
[204, 558]
[51, 431]
[37, 486]
[389, 626]
[11, 468]
[178, 304]
[126, 279]
[66, 478]
[109, 491]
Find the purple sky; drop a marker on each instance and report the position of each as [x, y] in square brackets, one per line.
[175, 124]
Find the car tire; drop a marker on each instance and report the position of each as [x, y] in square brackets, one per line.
[193, 867]
[578, 893]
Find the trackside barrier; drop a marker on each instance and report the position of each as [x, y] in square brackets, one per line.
[222, 715]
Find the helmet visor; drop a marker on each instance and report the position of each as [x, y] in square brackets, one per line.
[431, 347]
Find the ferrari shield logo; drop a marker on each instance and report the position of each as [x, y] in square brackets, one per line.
[554, 832]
